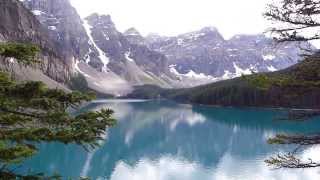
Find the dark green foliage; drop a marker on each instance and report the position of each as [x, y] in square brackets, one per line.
[24, 53]
[100, 95]
[79, 83]
[30, 112]
[38, 176]
[147, 92]
[261, 81]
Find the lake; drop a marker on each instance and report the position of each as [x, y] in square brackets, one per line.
[162, 140]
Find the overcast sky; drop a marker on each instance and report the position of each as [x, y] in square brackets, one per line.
[172, 17]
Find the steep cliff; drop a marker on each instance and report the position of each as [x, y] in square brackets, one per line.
[18, 24]
[63, 24]
[68, 33]
[135, 63]
[99, 49]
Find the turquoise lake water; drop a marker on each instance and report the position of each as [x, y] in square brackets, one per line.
[161, 140]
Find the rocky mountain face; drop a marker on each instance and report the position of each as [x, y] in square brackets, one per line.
[134, 37]
[99, 50]
[205, 54]
[68, 33]
[19, 25]
[135, 63]
[63, 24]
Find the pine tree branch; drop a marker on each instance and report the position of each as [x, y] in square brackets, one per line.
[21, 113]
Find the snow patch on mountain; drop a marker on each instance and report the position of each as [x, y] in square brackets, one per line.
[105, 60]
[268, 57]
[179, 41]
[191, 74]
[79, 70]
[271, 68]
[37, 12]
[106, 36]
[127, 55]
[173, 70]
[227, 75]
[87, 56]
[132, 33]
[240, 71]
[52, 28]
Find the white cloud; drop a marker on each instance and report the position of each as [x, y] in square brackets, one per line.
[228, 168]
[171, 17]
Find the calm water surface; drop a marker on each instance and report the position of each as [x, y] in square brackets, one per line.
[160, 140]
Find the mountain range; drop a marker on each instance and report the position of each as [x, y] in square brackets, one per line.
[296, 87]
[115, 62]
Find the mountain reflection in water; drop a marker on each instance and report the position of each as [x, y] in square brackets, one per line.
[162, 140]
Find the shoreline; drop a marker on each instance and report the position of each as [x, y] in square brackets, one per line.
[219, 106]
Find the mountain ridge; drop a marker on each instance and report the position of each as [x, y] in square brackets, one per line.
[106, 57]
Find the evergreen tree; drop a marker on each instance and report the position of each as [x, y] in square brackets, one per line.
[295, 20]
[31, 113]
